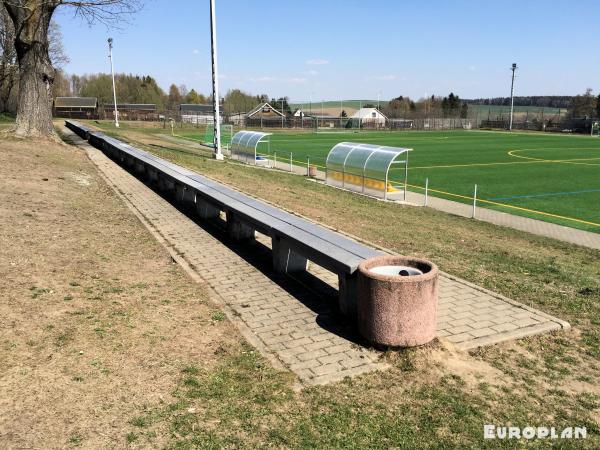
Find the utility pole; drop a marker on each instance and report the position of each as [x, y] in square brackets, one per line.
[112, 71]
[512, 96]
[360, 117]
[215, 84]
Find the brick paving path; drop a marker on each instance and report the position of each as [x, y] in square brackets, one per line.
[291, 321]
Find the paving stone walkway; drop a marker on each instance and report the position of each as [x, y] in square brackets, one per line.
[292, 321]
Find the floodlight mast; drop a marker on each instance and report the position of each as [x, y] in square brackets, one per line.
[215, 84]
[112, 71]
[512, 96]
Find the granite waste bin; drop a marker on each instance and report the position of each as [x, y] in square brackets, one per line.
[397, 300]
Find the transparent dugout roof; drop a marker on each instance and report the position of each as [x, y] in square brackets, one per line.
[368, 160]
[244, 144]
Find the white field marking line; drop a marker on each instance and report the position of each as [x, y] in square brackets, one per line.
[555, 148]
[559, 161]
[504, 205]
[531, 160]
[532, 133]
[545, 194]
[385, 137]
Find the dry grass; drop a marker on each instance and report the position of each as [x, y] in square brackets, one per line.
[96, 320]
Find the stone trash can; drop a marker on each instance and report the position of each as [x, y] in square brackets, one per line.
[312, 171]
[397, 300]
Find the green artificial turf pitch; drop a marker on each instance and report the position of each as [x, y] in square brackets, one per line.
[545, 176]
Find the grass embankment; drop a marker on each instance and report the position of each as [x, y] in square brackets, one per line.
[543, 176]
[431, 397]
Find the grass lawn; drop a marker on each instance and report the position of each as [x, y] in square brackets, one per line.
[6, 121]
[432, 397]
[6, 118]
[549, 177]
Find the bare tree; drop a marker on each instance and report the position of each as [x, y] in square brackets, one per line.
[56, 49]
[9, 73]
[8, 66]
[31, 20]
[183, 90]
[583, 105]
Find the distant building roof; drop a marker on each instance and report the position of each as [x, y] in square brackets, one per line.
[264, 107]
[132, 106]
[76, 102]
[367, 113]
[194, 108]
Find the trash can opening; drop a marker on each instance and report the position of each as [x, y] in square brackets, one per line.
[403, 271]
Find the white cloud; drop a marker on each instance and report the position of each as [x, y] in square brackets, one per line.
[263, 79]
[269, 79]
[317, 62]
[224, 76]
[196, 51]
[384, 77]
[312, 72]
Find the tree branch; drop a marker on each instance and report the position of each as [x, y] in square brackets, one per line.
[107, 12]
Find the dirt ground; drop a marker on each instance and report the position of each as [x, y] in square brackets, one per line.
[106, 343]
[96, 320]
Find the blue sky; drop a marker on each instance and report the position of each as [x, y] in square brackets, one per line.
[350, 49]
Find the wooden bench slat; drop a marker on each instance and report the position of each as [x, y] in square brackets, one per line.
[325, 247]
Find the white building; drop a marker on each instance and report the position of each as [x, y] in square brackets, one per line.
[370, 117]
[299, 114]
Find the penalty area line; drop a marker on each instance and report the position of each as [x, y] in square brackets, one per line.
[547, 194]
[504, 205]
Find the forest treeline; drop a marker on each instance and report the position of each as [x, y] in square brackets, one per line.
[144, 89]
[546, 101]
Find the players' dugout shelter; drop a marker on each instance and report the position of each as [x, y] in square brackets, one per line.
[365, 168]
[244, 146]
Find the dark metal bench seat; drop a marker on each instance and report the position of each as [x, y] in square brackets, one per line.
[295, 240]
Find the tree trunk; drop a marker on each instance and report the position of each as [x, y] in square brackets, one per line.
[34, 112]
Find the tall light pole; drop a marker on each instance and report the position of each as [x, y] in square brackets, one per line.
[215, 84]
[112, 71]
[512, 96]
